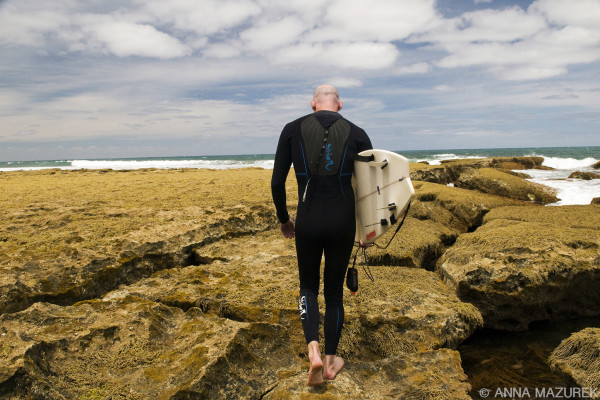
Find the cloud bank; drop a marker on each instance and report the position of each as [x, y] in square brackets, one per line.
[222, 69]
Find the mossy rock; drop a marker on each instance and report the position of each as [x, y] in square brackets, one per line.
[499, 183]
[578, 357]
[451, 170]
[405, 309]
[528, 264]
[586, 176]
[437, 216]
[435, 374]
[132, 348]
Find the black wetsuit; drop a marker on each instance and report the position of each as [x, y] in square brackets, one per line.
[325, 221]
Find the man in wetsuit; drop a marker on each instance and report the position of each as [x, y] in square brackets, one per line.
[321, 146]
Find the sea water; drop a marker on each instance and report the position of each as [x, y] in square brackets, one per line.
[564, 160]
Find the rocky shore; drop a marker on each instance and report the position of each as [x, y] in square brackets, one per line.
[175, 284]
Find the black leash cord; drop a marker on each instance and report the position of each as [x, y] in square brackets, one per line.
[365, 263]
[397, 229]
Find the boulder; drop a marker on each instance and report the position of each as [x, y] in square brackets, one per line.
[506, 163]
[578, 357]
[527, 264]
[596, 165]
[587, 176]
[499, 183]
[451, 170]
[430, 173]
[595, 200]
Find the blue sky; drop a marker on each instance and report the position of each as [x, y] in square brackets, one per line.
[135, 78]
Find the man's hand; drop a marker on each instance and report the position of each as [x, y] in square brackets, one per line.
[288, 229]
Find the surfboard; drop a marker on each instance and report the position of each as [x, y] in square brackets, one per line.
[382, 190]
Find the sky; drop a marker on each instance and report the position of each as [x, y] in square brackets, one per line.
[82, 79]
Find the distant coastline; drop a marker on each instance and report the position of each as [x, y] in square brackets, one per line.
[564, 160]
[581, 156]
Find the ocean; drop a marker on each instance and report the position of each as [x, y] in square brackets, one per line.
[564, 160]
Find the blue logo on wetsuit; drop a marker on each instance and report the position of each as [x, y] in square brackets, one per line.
[329, 161]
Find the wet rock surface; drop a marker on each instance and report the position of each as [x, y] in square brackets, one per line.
[588, 176]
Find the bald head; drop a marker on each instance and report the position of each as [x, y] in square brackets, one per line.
[326, 97]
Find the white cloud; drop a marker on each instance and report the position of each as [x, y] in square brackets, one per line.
[204, 17]
[19, 26]
[341, 82]
[72, 70]
[378, 20]
[223, 50]
[444, 88]
[125, 39]
[357, 55]
[485, 26]
[515, 44]
[584, 13]
[268, 34]
[416, 68]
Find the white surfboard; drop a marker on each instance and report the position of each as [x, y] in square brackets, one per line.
[383, 191]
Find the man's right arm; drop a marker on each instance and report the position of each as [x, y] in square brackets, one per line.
[281, 167]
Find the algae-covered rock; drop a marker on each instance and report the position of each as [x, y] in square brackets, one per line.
[235, 333]
[596, 165]
[404, 310]
[430, 173]
[499, 183]
[528, 264]
[431, 375]
[67, 236]
[132, 348]
[578, 357]
[587, 176]
[451, 170]
[437, 216]
[595, 200]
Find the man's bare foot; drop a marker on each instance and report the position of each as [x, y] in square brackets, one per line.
[333, 365]
[315, 373]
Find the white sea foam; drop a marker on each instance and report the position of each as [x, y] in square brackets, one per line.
[568, 163]
[168, 164]
[157, 163]
[570, 191]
